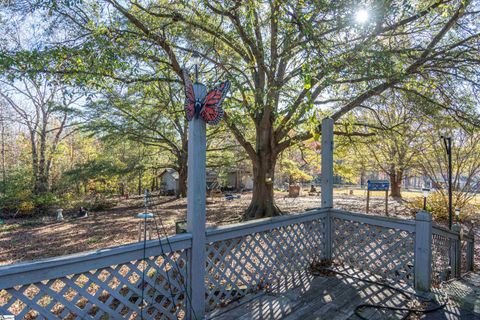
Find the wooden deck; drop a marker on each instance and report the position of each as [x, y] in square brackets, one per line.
[331, 297]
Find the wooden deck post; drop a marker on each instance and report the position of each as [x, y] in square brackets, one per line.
[328, 237]
[456, 255]
[196, 208]
[327, 163]
[470, 251]
[423, 251]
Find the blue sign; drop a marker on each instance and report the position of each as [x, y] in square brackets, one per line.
[378, 185]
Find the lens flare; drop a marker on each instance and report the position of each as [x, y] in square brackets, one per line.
[361, 16]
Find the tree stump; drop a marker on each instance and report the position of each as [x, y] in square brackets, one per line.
[293, 191]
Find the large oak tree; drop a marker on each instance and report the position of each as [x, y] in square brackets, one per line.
[283, 57]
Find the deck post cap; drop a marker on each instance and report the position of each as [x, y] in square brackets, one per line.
[423, 215]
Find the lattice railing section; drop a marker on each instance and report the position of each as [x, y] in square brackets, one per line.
[466, 252]
[114, 292]
[240, 259]
[442, 248]
[387, 252]
[249, 263]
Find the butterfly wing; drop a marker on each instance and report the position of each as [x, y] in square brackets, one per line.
[212, 111]
[189, 96]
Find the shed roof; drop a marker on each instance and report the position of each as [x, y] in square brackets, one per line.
[171, 172]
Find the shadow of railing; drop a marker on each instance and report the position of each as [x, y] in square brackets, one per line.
[333, 296]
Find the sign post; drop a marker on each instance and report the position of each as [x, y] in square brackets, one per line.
[378, 185]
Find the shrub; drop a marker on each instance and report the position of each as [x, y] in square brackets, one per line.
[437, 205]
[100, 204]
[26, 207]
[47, 200]
[16, 194]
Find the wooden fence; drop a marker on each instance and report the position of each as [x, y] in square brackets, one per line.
[240, 259]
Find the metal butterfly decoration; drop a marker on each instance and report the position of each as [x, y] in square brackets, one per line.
[208, 108]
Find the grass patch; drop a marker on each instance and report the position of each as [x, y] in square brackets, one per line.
[93, 240]
[6, 228]
[363, 193]
[32, 223]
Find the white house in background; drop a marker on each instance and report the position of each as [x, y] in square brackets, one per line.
[169, 182]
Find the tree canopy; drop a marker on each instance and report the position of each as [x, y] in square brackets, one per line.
[290, 62]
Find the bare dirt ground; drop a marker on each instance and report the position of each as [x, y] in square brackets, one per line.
[31, 239]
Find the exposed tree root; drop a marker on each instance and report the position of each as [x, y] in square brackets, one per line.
[262, 210]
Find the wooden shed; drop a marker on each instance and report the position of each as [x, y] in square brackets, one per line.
[169, 182]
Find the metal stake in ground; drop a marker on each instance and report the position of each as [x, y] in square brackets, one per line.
[448, 148]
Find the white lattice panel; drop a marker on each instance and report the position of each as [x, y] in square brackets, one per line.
[108, 293]
[249, 263]
[441, 250]
[387, 252]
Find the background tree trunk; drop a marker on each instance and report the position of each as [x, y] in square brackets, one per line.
[182, 182]
[2, 133]
[122, 189]
[183, 170]
[396, 177]
[140, 184]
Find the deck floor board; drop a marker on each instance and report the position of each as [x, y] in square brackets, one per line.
[329, 297]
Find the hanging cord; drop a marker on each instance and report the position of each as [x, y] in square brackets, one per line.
[165, 234]
[144, 254]
[407, 294]
[189, 299]
[146, 202]
[143, 261]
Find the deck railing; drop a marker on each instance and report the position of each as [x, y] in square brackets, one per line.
[241, 258]
[381, 245]
[452, 253]
[105, 284]
[247, 257]
[467, 252]
[443, 248]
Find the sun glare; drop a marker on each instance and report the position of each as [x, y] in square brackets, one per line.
[361, 16]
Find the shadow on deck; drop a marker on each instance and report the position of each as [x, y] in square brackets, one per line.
[331, 297]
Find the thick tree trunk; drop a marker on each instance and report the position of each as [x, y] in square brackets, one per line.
[153, 186]
[263, 202]
[182, 182]
[4, 171]
[37, 185]
[40, 164]
[263, 164]
[362, 178]
[290, 180]
[140, 183]
[183, 167]
[41, 184]
[396, 177]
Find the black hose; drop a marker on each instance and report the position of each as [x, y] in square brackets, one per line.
[407, 294]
